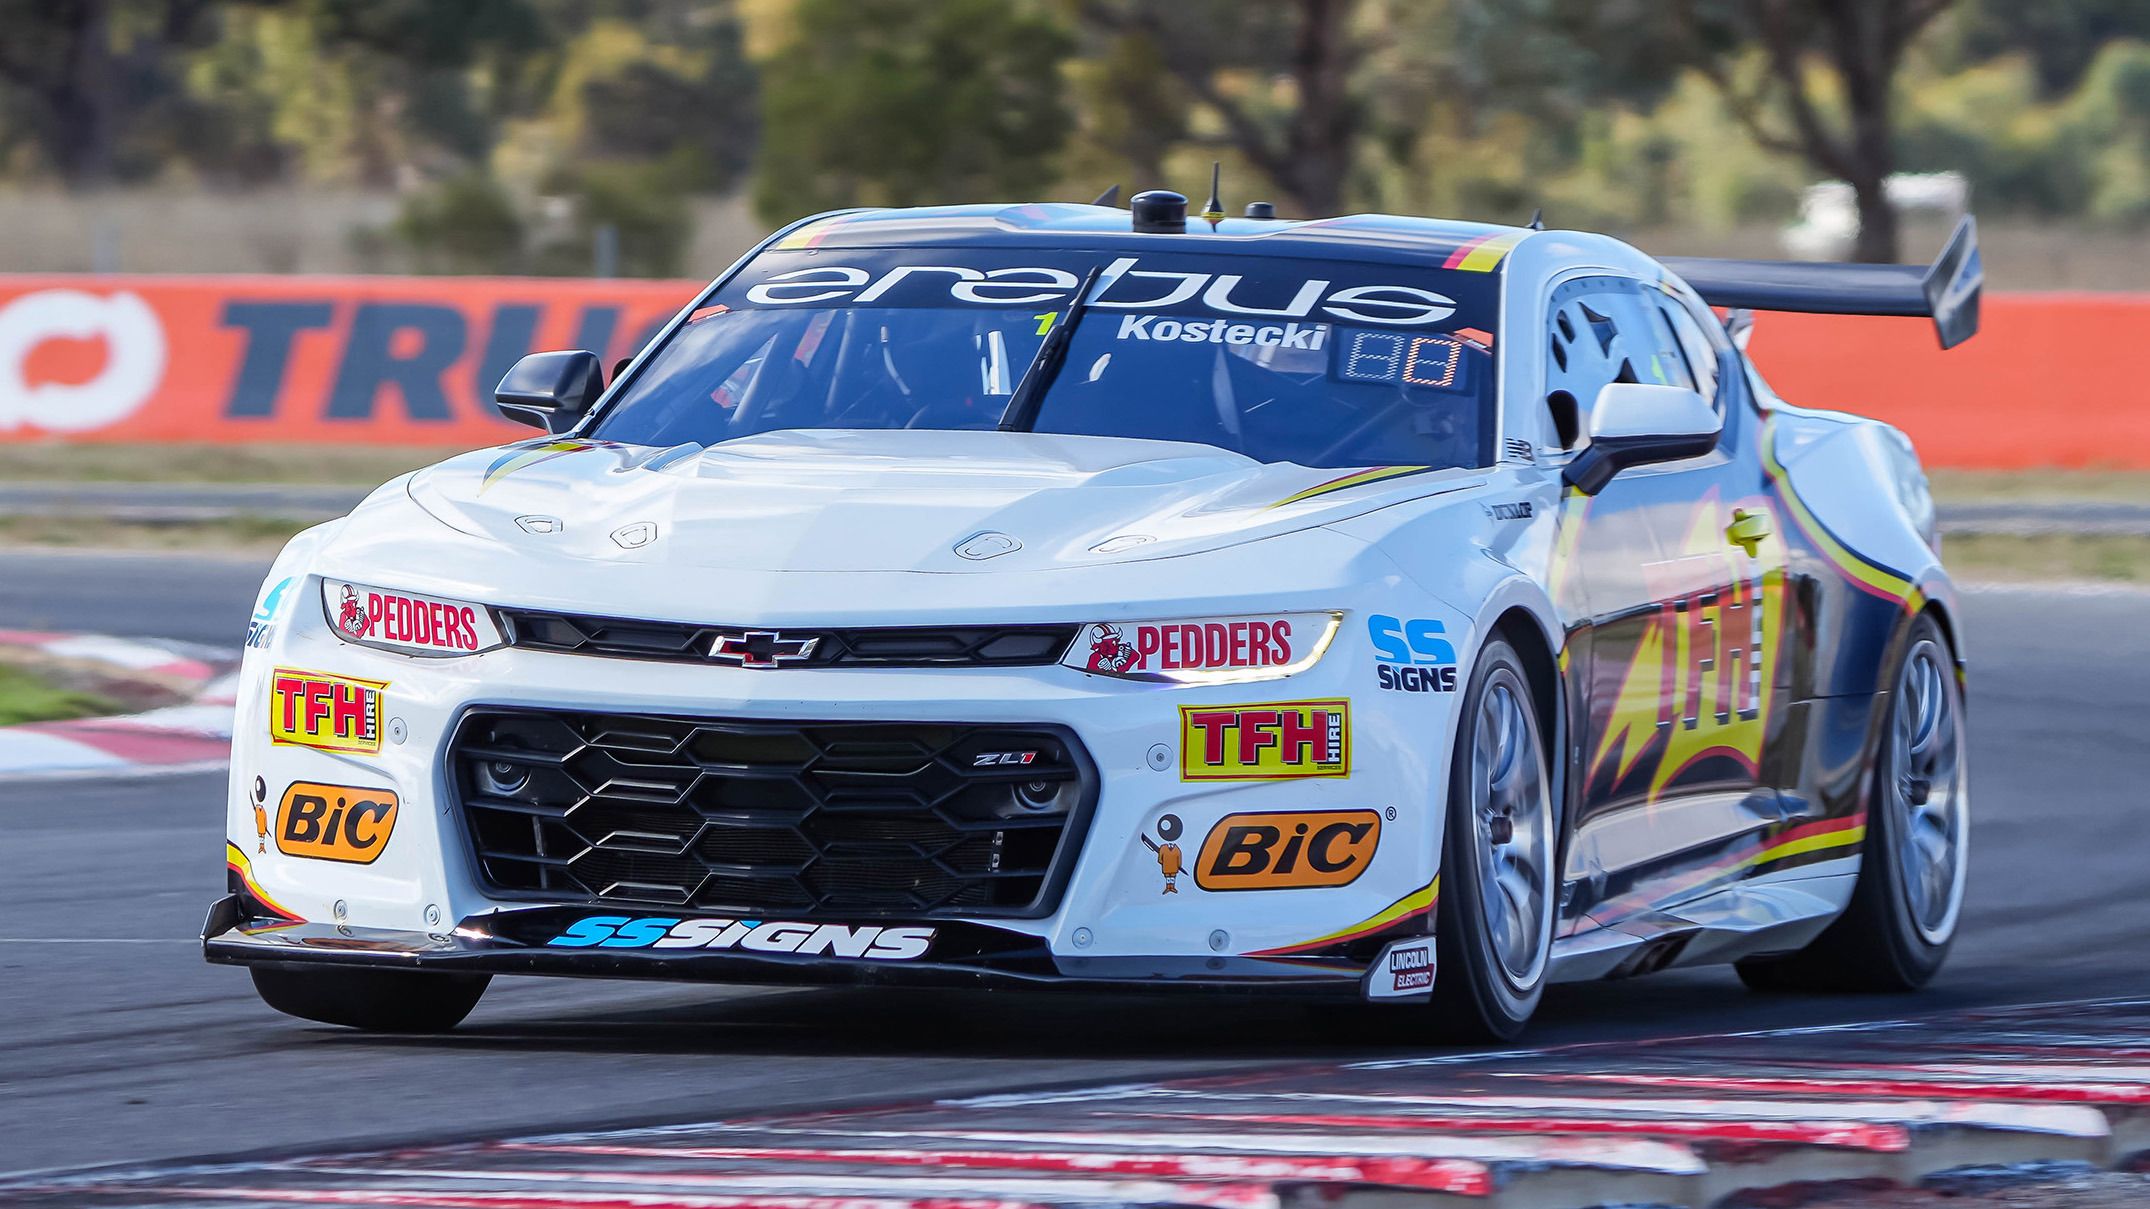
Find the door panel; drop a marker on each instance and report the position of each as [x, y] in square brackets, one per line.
[1680, 570]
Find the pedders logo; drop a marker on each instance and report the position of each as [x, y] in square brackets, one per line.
[325, 712]
[71, 361]
[1278, 741]
[1200, 648]
[1288, 850]
[399, 621]
[335, 822]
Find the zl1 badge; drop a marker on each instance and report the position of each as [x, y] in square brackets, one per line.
[325, 712]
[335, 822]
[1288, 849]
[1272, 742]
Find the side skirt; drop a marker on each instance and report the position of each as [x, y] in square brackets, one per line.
[1775, 913]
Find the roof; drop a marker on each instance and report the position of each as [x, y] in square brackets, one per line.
[1433, 242]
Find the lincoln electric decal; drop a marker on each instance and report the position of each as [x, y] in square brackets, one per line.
[1698, 684]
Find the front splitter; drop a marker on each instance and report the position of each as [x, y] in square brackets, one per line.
[521, 941]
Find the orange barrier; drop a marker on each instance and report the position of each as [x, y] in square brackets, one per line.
[384, 360]
[2052, 380]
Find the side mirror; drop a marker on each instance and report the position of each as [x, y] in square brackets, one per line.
[551, 391]
[1635, 423]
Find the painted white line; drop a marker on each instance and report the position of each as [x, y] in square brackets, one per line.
[2046, 589]
[116, 772]
[99, 940]
[1661, 1157]
[2072, 1119]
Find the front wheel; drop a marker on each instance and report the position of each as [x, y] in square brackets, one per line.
[1903, 913]
[1494, 922]
[377, 1001]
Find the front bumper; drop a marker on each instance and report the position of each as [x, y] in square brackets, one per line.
[1119, 916]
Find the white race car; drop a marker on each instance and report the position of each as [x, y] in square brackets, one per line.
[1380, 606]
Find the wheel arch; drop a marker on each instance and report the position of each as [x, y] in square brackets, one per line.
[1538, 647]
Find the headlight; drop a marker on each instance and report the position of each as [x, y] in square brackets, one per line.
[401, 621]
[1204, 650]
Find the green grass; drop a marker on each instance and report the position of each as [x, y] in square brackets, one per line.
[322, 465]
[2058, 486]
[2109, 558]
[245, 534]
[28, 697]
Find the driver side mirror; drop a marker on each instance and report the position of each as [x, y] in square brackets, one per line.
[552, 391]
[1635, 423]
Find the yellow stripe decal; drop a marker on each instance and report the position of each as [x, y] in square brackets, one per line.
[1356, 479]
[1874, 577]
[1812, 843]
[235, 857]
[1485, 257]
[1419, 900]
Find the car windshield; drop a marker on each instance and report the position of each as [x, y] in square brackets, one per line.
[1283, 359]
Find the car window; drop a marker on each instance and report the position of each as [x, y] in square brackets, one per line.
[1701, 354]
[1603, 330]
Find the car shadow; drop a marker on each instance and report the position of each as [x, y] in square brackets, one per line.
[1171, 1026]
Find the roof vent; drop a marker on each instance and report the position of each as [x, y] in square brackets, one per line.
[1159, 212]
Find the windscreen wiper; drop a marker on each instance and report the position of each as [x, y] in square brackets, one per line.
[1029, 393]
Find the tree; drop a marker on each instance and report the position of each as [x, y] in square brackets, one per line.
[904, 102]
[1862, 45]
[78, 70]
[1306, 146]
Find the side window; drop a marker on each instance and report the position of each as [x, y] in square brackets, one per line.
[1701, 354]
[1604, 330]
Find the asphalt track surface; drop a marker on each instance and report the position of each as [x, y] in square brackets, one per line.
[118, 1045]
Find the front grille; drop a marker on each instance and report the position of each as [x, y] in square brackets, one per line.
[849, 818]
[894, 646]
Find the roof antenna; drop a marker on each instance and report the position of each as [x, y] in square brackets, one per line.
[1213, 210]
[1110, 197]
[1537, 219]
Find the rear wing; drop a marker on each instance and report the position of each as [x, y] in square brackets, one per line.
[1947, 290]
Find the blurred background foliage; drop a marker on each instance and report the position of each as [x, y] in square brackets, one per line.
[511, 132]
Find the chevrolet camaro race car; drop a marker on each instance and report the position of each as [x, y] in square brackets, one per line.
[1376, 606]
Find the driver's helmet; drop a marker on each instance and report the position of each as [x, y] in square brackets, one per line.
[941, 361]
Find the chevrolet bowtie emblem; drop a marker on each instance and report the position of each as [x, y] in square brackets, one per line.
[762, 648]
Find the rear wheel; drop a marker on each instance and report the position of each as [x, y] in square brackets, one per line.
[1494, 929]
[1902, 918]
[378, 1001]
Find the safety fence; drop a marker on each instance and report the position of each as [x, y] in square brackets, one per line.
[2052, 379]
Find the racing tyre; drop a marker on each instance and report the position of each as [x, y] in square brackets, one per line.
[1902, 917]
[378, 1001]
[1494, 921]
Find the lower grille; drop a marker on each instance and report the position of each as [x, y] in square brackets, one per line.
[853, 818]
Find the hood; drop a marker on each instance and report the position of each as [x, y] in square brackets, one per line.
[844, 500]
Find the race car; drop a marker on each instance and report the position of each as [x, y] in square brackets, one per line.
[1378, 607]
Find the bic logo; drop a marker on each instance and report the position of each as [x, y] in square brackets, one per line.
[1272, 742]
[335, 822]
[325, 712]
[1288, 850]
